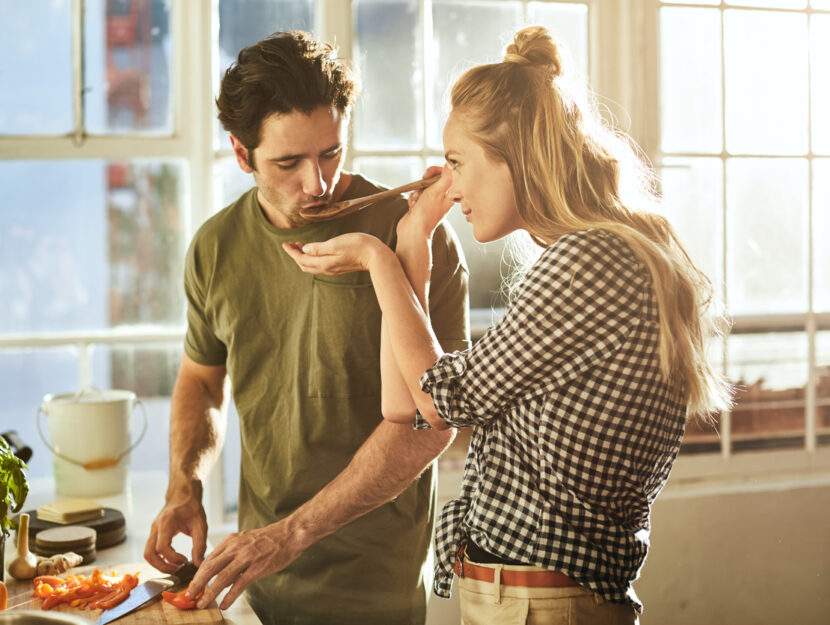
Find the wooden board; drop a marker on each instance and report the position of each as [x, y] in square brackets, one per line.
[110, 527]
[156, 613]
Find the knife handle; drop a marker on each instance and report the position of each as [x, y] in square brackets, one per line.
[184, 574]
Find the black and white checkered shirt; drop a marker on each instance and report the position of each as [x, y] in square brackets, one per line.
[575, 431]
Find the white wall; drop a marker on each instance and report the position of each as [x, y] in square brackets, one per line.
[739, 558]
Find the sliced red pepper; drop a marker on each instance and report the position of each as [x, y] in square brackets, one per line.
[97, 591]
[181, 600]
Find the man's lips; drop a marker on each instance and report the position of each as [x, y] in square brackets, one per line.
[314, 205]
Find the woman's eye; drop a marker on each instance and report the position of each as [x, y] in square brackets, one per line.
[453, 163]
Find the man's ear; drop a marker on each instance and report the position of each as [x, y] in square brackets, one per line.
[241, 153]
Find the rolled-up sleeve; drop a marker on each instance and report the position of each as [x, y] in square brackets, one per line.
[440, 382]
[574, 308]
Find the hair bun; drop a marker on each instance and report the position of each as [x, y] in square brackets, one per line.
[534, 46]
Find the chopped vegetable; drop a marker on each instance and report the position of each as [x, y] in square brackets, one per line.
[95, 592]
[58, 563]
[180, 599]
[4, 595]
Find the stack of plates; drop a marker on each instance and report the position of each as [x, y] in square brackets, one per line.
[75, 538]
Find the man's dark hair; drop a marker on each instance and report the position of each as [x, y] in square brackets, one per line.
[285, 72]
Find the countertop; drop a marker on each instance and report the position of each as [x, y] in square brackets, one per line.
[139, 503]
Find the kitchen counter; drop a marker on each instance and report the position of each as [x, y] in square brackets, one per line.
[140, 503]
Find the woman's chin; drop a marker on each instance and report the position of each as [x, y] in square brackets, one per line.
[484, 236]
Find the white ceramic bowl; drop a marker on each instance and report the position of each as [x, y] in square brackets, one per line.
[40, 617]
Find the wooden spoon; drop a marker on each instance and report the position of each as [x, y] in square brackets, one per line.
[346, 207]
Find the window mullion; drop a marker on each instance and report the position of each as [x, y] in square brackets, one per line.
[726, 415]
[426, 72]
[79, 131]
[811, 416]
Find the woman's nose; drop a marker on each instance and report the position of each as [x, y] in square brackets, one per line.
[454, 193]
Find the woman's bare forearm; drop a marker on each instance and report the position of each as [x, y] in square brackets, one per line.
[413, 342]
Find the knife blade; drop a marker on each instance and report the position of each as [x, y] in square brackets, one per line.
[146, 592]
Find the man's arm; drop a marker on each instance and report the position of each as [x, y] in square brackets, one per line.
[197, 433]
[382, 468]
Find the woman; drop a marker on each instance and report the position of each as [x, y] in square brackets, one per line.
[580, 394]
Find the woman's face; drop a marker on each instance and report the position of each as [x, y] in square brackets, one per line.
[483, 187]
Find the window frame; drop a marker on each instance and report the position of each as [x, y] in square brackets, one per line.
[783, 466]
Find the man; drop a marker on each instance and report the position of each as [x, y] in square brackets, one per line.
[302, 355]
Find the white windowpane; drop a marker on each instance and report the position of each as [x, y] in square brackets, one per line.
[244, 22]
[821, 235]
[569, 24]
[231, 182]
[766, 85]
[770, 4]
[693, 203]
[822, 5]
[28, 376]
[766, 209]
[388, 50]
[820, 82]
[36, 77]
[127, 60]
[100, 246]
[690, 80]
[231, 460]
[464, 34]
[771, 371]
[711, 2]
[390, 171]
[149, 371]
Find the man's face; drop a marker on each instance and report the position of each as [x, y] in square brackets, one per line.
[297, 163]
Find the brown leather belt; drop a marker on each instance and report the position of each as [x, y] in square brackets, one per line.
[528, 579]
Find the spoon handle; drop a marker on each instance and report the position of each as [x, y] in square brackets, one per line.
[338, 209]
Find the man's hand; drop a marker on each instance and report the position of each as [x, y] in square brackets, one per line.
[183, 514]
[241, 559]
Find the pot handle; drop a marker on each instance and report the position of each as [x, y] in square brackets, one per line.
[103, 463]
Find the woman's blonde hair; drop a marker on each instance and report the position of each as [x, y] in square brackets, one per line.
[571, 173]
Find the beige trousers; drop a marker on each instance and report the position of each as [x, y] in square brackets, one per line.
[488, 603]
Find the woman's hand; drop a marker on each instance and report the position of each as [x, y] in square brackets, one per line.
[342, 254]
[427, 207]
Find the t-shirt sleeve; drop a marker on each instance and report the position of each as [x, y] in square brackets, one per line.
[449, 302]
[574, 309]
[201, 343]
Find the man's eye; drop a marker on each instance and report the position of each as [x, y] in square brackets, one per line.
[331, 155]
[287, 164]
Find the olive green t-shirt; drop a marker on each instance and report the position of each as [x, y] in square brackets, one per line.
[303, 356]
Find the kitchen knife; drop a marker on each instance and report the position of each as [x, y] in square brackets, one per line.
[146, 592]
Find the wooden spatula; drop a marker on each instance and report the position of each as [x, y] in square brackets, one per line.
[338, 209]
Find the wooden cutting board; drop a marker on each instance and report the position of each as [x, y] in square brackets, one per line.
[156, 613]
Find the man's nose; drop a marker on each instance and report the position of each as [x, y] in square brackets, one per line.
[313, 183]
